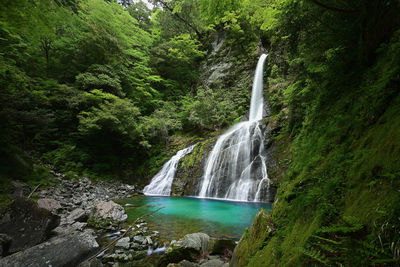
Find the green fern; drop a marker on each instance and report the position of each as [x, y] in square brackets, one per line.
[315, 255]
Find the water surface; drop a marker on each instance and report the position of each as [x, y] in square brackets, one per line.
[184, 215]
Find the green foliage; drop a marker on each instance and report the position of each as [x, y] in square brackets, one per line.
[83, 85]
[210, 109]
[161, 123]
[333, 91]
[216, 12]
[100, 77]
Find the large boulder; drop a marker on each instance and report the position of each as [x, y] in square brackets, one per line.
[61, 251]
[49, 204]
[189, 248]
[27, 224]
[196, 241]
[110, 210]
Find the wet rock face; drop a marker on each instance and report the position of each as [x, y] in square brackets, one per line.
[189, 173]
[27, 224]
[60, 251]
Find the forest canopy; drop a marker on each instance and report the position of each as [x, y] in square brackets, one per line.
[101, 86]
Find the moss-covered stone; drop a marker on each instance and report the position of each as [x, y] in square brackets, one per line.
[190, 169]
[253, 239]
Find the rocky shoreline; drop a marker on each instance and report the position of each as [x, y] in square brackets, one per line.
[71, 217]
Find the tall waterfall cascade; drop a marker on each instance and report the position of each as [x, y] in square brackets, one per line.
[236, 167]
[161, 183]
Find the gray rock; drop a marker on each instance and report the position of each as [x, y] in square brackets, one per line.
[63, 251]
[91, 263]
[49, 204]
[110, 210]
[197, 241]
[213, 263]
[149, 241]
[27, 224]
[78, 215]
[79, 226]
[135, 246]
[183, 263]
[123, 243]
[138, 238]
[190, 248]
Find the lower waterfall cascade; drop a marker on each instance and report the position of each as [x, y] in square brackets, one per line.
[161, 183]
[236, 167]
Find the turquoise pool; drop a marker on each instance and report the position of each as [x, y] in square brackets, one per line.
[183, 215]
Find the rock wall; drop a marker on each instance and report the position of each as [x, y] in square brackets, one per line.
[190, 169]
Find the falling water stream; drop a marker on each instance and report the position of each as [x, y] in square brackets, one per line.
[236, 168]
[161, 183]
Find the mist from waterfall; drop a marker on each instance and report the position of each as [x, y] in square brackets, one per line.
[236, 168]
[161, 183]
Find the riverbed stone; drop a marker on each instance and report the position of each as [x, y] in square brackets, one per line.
[61, 251]
[190, 248]
[49, 204]
[183, 263]
[138, 238]
[213, 263]
[27, 224]
[110, 210]
[197, 241]
[123, 243]
[78, 215]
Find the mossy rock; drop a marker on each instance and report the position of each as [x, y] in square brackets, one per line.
[190, 169]
[253, 239]
[178, 254]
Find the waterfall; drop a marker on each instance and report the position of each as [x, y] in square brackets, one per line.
[160, 184]
[236, 168]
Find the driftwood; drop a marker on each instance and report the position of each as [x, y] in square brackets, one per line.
[124, 234]
[33, 191]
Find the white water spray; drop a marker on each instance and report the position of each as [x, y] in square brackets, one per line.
[236, 168]
[161, 183]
